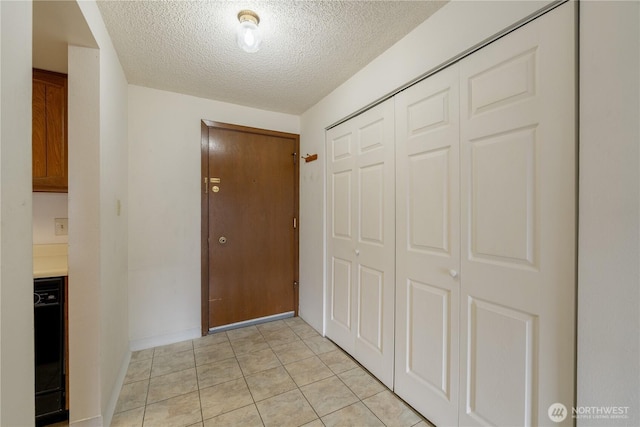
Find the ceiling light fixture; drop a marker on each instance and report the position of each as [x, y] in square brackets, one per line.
[249, 36]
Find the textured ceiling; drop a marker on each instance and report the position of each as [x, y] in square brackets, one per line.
[309, 47]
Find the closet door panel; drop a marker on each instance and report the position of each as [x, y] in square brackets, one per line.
[429, 314]
[370, 304]
[341, 206]
[429, 201]
[371, 206]
[503, 174]
[361, 238]
[427, 252]
[500, 362]
[518, 219]
[341, 294]
[375, 246]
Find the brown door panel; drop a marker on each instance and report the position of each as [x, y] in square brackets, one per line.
[253, 269]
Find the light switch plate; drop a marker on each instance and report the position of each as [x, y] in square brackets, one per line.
[61, 226]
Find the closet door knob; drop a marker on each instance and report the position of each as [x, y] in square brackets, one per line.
[453, 273]
[357, 251]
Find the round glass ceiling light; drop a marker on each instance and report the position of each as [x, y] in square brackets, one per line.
[249, 36]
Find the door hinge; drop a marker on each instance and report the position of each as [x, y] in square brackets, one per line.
[295, 158]
[295, 222]
[206, 186]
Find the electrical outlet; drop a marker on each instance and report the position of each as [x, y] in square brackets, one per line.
[61, 226]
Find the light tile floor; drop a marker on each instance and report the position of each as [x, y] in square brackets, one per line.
[281, 373]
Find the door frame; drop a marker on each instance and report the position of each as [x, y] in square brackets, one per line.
[205, 125]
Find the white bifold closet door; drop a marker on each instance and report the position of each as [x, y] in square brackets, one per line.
[518, 218]
[428, 246]
[361, 238]
[502, 315]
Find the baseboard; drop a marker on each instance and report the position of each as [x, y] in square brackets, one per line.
[150, 342]
[115, 393]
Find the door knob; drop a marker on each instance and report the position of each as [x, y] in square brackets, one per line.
[357, 251]
[222, 240]
[453, 273]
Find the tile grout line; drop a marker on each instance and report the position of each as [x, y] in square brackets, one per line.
[300, 390]
[144, 411]
[146, 398]
[244, 377]
[195, 368]
[287, 371]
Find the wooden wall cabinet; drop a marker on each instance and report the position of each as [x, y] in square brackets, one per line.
[49, 132]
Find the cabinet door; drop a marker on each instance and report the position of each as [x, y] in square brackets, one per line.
[49, 131]
[428, 246]
[518, 216]
[361, 238]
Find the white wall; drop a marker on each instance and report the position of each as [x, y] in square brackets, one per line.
[451, 30]
[16, 271]
[609, 210]
[98, 309]
[164, 207]
[113, 215]
[84, 236]
[46, 208]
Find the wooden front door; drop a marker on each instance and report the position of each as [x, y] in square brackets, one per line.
[249, 224]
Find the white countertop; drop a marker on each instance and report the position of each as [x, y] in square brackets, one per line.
[50, 260]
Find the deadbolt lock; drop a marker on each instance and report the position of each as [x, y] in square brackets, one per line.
[214, 188]
[222, 240]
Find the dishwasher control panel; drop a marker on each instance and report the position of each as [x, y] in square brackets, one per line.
[46, 297]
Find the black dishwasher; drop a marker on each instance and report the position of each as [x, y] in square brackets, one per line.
[48, 299]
